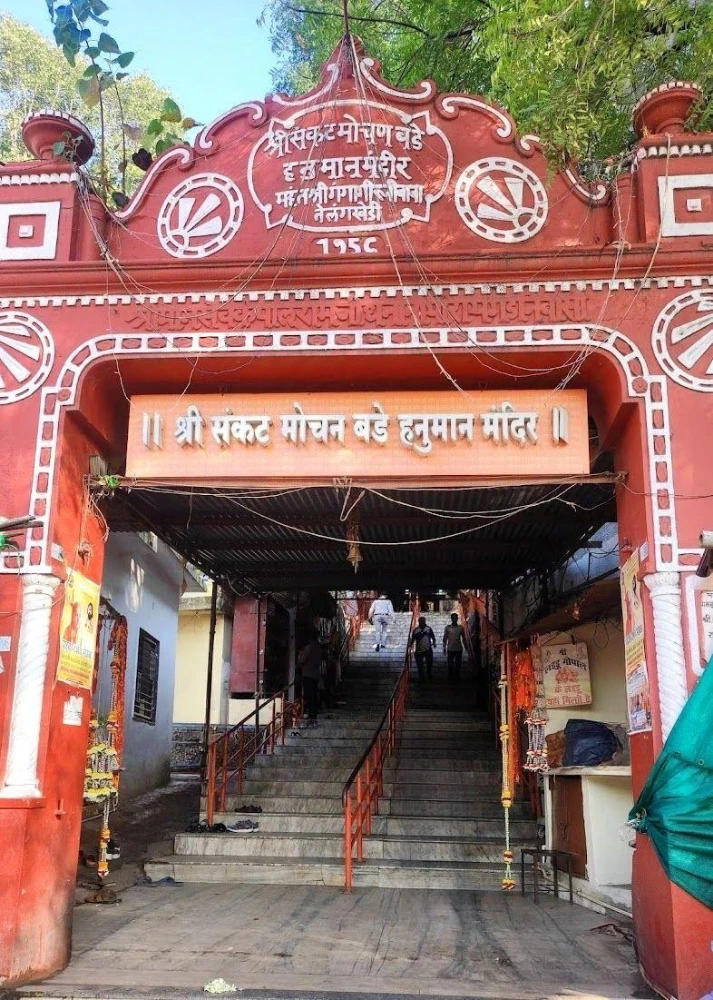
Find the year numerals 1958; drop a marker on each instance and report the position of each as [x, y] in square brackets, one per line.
[353, 244]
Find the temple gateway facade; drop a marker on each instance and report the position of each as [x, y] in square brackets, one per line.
[405, 257]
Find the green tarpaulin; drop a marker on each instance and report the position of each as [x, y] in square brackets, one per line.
[675, 808]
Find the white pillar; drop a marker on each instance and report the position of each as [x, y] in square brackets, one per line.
[21, 779]
[665, 590]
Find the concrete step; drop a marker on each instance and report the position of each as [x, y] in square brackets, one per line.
[439, 827]
[331, 845]
[326, 871]
[436, 827]
[421, 791]
[253, 787]
[485, 806]
[289, 823]
[429, 849]
[302, 769]
[452, 760]
[274, 845]
[447, 780]
[286, 804]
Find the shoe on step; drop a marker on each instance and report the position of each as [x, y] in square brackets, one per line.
[242, 826]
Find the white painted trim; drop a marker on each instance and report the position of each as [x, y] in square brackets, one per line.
[665, 591]
[426, 93]
[665, 335]
[21, 180]
[361, 292]
[694, 585]
[451, 103]
[681, 182]
[21, 777]
[685, 149]
[49, 211]
[408, 212]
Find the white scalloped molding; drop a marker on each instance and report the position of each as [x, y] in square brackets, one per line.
[20, 180]
[363, 292]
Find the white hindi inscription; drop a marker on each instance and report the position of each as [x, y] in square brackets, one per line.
[349, 174]
[500, 425]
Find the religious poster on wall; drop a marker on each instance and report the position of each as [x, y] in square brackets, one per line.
[78, 632]
[638, 696]
[706, 626]
[566, 678]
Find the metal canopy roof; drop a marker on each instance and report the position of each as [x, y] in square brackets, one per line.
[427, 538]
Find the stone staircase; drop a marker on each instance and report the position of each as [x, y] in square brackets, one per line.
[397, 638]
[440, 823]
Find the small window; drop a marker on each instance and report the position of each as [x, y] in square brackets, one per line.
[149, 538]
[146, 694]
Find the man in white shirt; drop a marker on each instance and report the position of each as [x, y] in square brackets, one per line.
[380, 614]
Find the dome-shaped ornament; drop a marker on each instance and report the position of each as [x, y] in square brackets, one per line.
[43, 132]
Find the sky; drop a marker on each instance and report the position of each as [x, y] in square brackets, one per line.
[210, 54]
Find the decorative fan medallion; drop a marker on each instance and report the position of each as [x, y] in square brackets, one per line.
[683, 340]
[200, 216]
[26, 355]
[501, 200]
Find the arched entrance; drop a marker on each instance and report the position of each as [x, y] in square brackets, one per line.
[339, 242]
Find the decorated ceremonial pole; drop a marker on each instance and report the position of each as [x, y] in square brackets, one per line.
[508, 882]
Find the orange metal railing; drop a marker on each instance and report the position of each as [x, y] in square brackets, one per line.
[230, 753]
[365, 785]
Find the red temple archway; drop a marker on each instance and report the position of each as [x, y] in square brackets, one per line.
[358, 235]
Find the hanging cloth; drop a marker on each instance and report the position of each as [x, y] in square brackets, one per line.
[675, 807]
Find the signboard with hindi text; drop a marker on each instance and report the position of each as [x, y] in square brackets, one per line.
[361, 434]
[565, 671]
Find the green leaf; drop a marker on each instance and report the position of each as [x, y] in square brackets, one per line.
[163, 144]
[189, 123]
[170, 112]
[92, 51]
[107, 44]
[89, 91]
[154, 127]
[90, 71]
[124, 59]
[58, 148]
[98, 7]
[121, 76]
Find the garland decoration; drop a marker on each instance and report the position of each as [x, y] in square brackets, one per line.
[536, 759]
[106, 738]
[508, 882]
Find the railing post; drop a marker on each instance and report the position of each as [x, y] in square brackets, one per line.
[210, 785]
[367, 776]
[348, 842]
[274, 725]
[225, 739]
[360, 821]
[241, 745]
[283, 719]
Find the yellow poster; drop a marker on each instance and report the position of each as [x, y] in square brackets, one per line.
[638, 696]
[78, 631]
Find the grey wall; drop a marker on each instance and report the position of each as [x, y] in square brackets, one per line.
[145, 586]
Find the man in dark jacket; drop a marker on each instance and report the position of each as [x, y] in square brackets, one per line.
[310, 660]
[424, 640]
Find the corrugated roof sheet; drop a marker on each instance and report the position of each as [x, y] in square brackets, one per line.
[267, 538]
